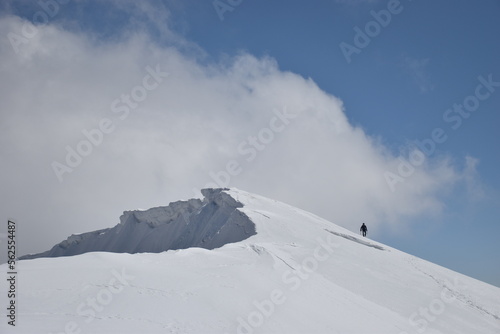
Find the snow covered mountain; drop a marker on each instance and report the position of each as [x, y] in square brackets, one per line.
[242, 264]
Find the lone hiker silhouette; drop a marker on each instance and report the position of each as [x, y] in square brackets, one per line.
[363, 229]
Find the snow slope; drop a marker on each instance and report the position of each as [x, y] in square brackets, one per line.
[298, 274]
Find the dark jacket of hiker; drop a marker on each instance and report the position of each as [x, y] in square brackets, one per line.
[363, 229]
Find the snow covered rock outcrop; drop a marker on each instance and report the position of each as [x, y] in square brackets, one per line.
[194, 223]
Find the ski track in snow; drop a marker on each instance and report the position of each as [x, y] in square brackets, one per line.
[457, 294]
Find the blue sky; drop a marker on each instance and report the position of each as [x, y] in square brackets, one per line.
[393, 92]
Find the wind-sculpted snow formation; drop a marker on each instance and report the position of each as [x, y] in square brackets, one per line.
[193, 223]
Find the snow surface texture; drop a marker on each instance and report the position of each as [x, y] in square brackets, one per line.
[298, 274]
[183, 224]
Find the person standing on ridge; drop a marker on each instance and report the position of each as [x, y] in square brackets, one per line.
[363, 229]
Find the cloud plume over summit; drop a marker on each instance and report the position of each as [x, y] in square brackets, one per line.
[238, 121]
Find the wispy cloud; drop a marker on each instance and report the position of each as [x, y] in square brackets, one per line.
[418, 72]
[470, 176]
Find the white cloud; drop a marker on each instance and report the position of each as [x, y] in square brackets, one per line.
[199, 118]
[471, 179]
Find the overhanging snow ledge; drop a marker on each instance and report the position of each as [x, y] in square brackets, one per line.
[208, 224]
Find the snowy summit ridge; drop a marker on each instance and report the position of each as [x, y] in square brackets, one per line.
[208, 224]
[242, 263]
